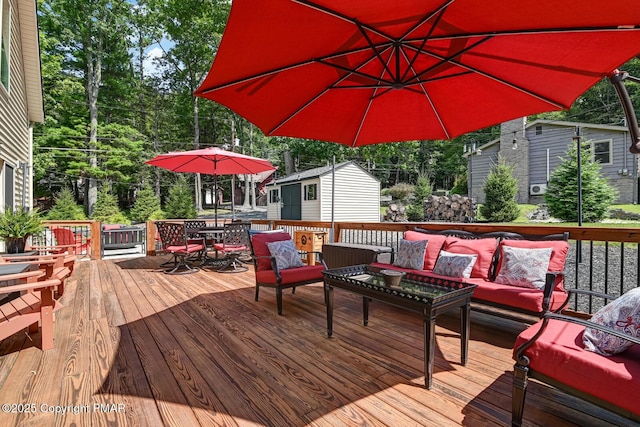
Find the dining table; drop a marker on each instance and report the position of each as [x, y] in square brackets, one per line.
[211, 235]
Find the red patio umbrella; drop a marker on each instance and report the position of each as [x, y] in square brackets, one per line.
[364, 72]
[211, 161]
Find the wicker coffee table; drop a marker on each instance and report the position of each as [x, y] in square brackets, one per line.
[430, 296]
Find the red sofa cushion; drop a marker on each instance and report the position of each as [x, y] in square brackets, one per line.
[484, 248]
[292, 275]
[260, 249]
[559, 353]
[433, 247]
[514, 296]
[560, 248]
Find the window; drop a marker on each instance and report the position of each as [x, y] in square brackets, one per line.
[538, 130]
[274, 196]
[311, 192]
[5, 42]
[601, 151]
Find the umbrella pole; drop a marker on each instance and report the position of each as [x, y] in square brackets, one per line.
[233, 197]
[215, 197]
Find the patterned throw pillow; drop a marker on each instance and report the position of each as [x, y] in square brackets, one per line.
[622, 314]
[411, 254]
[524, 267]
[454, 265]
[285, 253]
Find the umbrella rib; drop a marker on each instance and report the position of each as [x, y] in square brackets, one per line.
[431, 103]
[322, 60]
[373, 47]
[487, 75]
[341, 16]
[529, 32]
[440, 13]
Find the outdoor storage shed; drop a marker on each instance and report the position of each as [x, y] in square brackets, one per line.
[311, 196]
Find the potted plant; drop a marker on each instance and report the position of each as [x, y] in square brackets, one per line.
[16, 225]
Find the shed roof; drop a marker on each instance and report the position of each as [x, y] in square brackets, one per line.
[315, 173]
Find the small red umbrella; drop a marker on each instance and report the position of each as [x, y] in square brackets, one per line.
[364, 72]
[211, 161]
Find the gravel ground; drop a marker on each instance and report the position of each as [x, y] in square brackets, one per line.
[598, 273]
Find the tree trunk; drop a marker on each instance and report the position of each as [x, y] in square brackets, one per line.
[94, 78]
[196, 144]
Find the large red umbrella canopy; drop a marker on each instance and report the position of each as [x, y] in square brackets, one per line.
[364, 72]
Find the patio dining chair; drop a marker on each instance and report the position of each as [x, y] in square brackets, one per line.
[176, 242]
[269, 274]
[235, 242]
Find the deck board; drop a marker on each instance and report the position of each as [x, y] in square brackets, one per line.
[198, 349]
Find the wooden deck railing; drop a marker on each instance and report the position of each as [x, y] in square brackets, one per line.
[600, 258]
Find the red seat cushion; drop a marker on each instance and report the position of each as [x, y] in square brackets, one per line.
[260, 249]
[514, 296]
[484, 248]
[191, 247]
[292, 275]
[559, 354]
[559, 251]
[433, 247]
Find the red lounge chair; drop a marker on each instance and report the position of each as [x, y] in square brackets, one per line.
[268, 274]
[78, 244]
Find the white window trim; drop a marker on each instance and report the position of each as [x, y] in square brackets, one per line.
[305, 190]
[8, 41]
[610, 142]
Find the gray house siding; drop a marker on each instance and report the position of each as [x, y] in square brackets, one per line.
[479, 167]
[555, 140]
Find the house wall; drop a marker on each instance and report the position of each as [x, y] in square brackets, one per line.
[357, 195]
[556, 140]
[15, 130]
[479, 167]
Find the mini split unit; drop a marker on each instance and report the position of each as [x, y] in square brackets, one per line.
[537, 189]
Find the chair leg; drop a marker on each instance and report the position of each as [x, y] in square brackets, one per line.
[182, 266]
[518, 394]
[233, 265]
[279, 299]
[257, 291]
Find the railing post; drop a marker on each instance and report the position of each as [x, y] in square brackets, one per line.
[96, 239]
[151, 238]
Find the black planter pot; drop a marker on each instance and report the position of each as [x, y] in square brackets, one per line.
[15, 245]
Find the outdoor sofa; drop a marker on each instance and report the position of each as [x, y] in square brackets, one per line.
[506, 300]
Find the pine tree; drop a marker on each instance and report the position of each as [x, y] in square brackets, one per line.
[106, 210]
[422, 190]
[147, 205]
[500, 189]
[65, 207]
[180, 203]
[562, 191]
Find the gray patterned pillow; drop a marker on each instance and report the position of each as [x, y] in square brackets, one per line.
[411, 254]
[524, 267]
[622, 314]
[454, 265]
[285, 253]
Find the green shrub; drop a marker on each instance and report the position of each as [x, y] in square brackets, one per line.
[65, 207]
[401, 191]
[500, 189]
[147, 204]
[106, 210]
[180, 203]
[562, 192]
[460, 186]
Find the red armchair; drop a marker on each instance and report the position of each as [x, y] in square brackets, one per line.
[269, 275]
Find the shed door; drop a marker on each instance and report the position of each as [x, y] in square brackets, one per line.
[291, 202]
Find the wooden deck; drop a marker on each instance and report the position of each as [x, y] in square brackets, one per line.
[191, 350]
